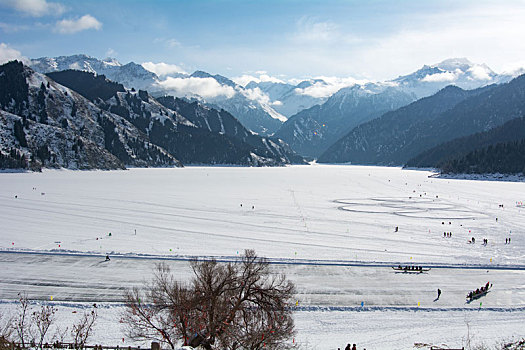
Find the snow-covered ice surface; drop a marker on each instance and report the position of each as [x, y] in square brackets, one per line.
[331, 229]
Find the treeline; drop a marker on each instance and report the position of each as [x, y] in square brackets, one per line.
[504, 158]
[437, 157]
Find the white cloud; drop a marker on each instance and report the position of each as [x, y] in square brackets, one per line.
[9, 54]
[172, 43]
[12, 28]
[111, 53]
[71, 26]
[310, 29]
[244, 79]
[35, 8]
[169, 43]
[204, 87]
[162, 69]
[328, 86]
[480, 72]
[257, 95]
[440, 77]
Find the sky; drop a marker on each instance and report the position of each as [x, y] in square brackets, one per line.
[372, 39]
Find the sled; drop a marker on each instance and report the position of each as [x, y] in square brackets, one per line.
[475, 296]
[402, 269]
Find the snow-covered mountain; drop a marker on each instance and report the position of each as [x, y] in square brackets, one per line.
[454, 71]
[308, 132]
[130, 75]
[398, 136]
[50, 125]
[247, 105]
[311, 131]
[289, 99]
[79, 120]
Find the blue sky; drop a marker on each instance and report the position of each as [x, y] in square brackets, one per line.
[289, 39]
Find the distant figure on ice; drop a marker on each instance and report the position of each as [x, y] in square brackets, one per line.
[439, 293]
[397, 229]
[107, 258]
[348, 347]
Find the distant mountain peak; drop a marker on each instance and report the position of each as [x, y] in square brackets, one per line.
[112, 62]
[451, 64]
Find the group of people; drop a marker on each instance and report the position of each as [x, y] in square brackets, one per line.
[481, 290]
[410, 268]
[447, 234]
[354, 347]
[473, 240]
[507, 240]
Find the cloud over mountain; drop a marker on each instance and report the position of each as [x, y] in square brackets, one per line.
[204, 87]
[9, 54]
[162, 69]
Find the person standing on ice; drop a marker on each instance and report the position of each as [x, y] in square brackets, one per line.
[439, 293]
[348, 347]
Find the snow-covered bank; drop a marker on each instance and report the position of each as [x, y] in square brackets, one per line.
[483, 177]
[370, 329]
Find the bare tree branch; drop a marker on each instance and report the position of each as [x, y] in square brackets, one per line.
[239, 305]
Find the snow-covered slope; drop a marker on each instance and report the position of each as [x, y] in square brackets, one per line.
[131, 75]
[289, 99]
[454, 71]
[78, 120]
[195, 141]
[53, 126]
[248, 105]
[313, 130]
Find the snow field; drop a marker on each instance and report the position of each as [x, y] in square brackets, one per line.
[55, 233]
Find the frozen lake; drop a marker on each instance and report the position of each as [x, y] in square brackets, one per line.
[331, 229]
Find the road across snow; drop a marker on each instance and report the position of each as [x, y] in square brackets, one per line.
[328, 287]
[331, 229]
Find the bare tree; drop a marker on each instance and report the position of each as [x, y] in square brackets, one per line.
[6, 330]
[165, 317]
[43, 319]
[60, 334]
[230, 294]
[239, 305]
[257, 328]
[83, 329]
[22, 322]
